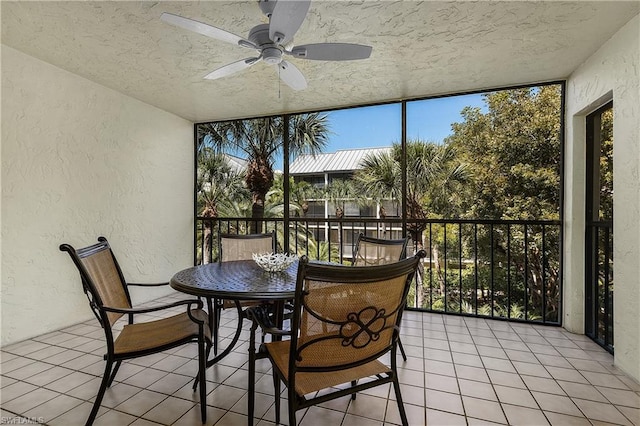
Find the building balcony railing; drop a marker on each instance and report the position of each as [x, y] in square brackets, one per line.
[506, 269]
[600, 283]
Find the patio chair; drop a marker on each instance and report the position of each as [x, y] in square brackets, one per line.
[378, 251]
[237, 247]
[344, 320]
[109, 299]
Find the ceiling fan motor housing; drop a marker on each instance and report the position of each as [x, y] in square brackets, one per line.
[271, 53]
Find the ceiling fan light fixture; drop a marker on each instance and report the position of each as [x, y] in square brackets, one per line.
[272, 55]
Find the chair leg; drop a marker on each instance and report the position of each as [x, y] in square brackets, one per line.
[292, 410]
[207, 353]
[206, 357]
[113, 373]
[196, 380]
[202, 365]
[353, 395]
[103, 387]
[212, 308]
[252, 373]
[396, 388]
[404, 356]
[276, 392]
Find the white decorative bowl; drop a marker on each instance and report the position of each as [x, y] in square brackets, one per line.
[274, 262]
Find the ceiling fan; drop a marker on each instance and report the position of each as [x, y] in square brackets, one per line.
[274, 40]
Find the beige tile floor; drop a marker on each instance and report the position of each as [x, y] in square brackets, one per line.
[460, 371]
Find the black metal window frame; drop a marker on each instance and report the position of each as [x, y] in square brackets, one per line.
[595, 231]
[403, 219]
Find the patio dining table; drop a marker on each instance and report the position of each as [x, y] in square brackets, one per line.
[237, 281]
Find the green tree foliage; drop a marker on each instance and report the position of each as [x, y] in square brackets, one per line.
[217, 183]
[260, 140]
[299, 195]
[219, 187]
[513, 152]
[434, 177]
[339, 192]
[606, 165]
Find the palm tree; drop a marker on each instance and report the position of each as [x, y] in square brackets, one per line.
[299, 194]
[320, 250]
[381, 177]
[433, 177]
[218, 186]
[261, 140]
[338, 192]
[433, 173]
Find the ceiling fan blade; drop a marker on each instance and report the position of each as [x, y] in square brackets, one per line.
[291, 76]
[232, 68]
[205, 29]
[286, 19]
[331, 51]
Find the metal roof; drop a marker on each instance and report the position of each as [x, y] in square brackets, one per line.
[237, 163]
[343, 160]
[307, 163]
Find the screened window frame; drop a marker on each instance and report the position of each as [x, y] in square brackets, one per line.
[403, 207]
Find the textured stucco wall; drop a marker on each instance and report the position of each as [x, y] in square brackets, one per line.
[78, 161]
[611, 73]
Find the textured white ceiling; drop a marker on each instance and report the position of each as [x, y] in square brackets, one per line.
[419, 49]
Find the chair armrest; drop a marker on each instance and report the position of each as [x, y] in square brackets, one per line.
[260, 315]
[148, 284]
[132, 311]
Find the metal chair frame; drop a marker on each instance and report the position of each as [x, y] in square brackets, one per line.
[106, 314]
[330, 274]
[215, 306]
[381, 242]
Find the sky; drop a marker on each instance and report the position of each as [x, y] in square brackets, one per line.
[369, 127]
[375, 126]
[429, 120]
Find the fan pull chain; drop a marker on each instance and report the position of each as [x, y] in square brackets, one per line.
[279, 80]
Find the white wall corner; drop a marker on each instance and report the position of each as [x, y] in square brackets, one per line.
[80, 160]
[612, 70]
